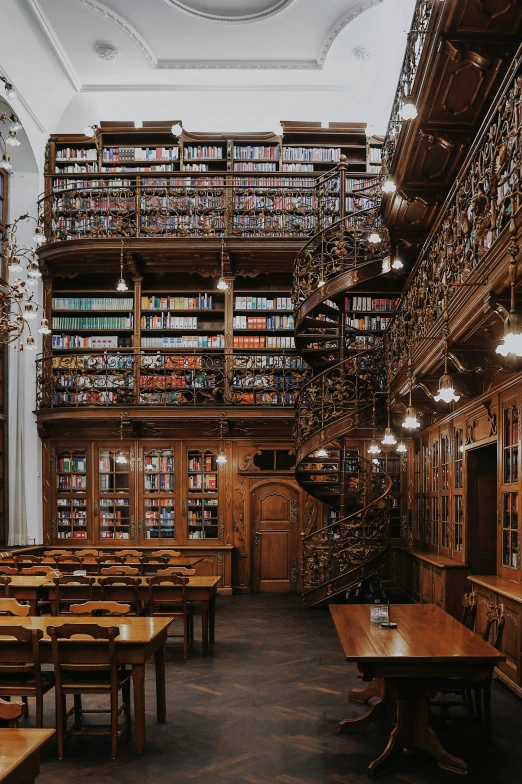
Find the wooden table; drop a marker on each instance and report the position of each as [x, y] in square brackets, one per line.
[29, 588]
[427, 645]
[20, 754]
[139, 639]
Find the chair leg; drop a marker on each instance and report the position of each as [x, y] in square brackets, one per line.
[191, 628]
[39, 711]
[25, 701]
[114, 725]
[77, 711]
[185, 635]
[126, 693]
[61, 708]
[478, 706]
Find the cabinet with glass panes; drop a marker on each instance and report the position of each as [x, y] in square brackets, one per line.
[114, 503]
[157, 519]
[392, 463]
[202, 504]
[70, 496]
[509, 533]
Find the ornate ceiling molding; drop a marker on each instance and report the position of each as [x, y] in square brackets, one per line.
[267, 8]
[49, 32]
[340, 25]
[130, 32]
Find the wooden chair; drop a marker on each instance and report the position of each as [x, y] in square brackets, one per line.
[27, 559]
[151, 563]
[469, 610]
[54, 553]
[100, 608]
[109, 559]
[5, 581]
[120, 570]
[128, 553]
[68, 563]
[100, 675]
[42, 571]
[8, 570]
[21, 674]
[71, 589]
[122, 589]
[167, 553]
[168, 597]
[13, 607]
[87, 552]
[183, 570]
[10, 712]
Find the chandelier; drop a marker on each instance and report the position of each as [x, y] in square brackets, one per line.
[19, 308]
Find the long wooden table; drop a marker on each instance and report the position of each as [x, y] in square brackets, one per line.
[139, 639]
[20, 754]
[427, 645]
[29, 588]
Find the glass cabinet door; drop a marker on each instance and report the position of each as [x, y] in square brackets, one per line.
[204, 518]
[70, 493]
[158, 518]
[113, 505]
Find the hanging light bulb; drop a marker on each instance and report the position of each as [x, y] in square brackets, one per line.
[375, 238]
[16, 125]
[5, 163]
[513, 323]
[221, 459]
[446, 391]
[386, 265]
[389, 439]
[222, 285]
[176, 129]
[321, 283]
[397, 264]
[32, 282]
[375, 461]
[10, 90]
[278, 130]
[14, 265]
[321, 452]
[38, 236]
[11, 140]
[389, 186]
[44, 329]
[29, 312]
[402, 447]
[120, 458]
[90, 131]
[30, 345]
[34, 270]
[410, 420]
[374, 448]
[408, 110]
[122, 286]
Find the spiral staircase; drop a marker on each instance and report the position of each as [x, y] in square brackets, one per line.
[336, 407]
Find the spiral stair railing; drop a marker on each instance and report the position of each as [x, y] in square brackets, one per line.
[339, 400]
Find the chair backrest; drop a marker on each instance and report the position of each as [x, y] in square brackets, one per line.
[73, 588]
[68, 558]
[167, 553]
[109, 559]
[469, 609]
[68, 563]
[12, 607]
[27, 648]
[98, 655]
[165, 590]
[41, 570]
[129, 553]
[8, 570]
[100, 608]
[10, 712]
[86, 552]
[495, 626]
[154, 559]
[182, 570]
[120, 570]
[27, 559]
[121, 589]
[5, 581]
[53, 553]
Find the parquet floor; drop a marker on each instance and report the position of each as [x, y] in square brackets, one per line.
[264, 710]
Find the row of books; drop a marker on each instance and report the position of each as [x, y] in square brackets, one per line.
[75, 153]
[251, 152]
[93, 303]
[360, 203]
[176, 382]
[157, 167]
[67, 464]
[166, 321]
[162, 533]
[93, 322]
[70, 516]
[267, 398]
[60, 184]
[273, 223]
[273, 182]
[268, 380]
[166, 482]
[295, 167]
[72, 535]
[64, 341]
[375, 154]
[185, 341]
[191, 152]
[196, 167]
[202, 463]
[263, 303]
[369, 323]
[202, 535]
[81, 382]
[268, 362]
[199, 503]
[263, 341]
[154, 519]
[78, 168]
[114, 535]
[202, 482]
[293, 202]
[122, 154]
[201, 302]
[316, 154]
[370, 304]
[72, 482]
[165, 463]
[110, 502]
[71, 502]
[263, 322]
[256, 167]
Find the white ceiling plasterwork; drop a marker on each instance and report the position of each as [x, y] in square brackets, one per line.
[231, 10]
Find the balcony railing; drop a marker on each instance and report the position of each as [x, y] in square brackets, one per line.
[481, 205]
[136, 377]
[209, 205]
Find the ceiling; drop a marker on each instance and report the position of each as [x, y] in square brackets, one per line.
[234, 65]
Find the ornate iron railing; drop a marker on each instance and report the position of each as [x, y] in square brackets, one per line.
[148, 378]
[210, 205]
[479, 208]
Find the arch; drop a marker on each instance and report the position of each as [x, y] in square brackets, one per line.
[125, 27]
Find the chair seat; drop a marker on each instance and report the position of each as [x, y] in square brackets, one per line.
[24, 681]
[96, 682]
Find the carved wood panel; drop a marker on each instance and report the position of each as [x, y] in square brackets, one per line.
[481, 16]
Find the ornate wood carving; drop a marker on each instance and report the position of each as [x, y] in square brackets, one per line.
[238, 517]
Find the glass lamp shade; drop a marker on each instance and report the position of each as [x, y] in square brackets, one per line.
[389, 186]
[221, 458]
[397, 265]
[410, 420]
[389, 439]
[375, 238]
[222, 285]
[321, 453]
[374, 448]
[30, 345]
[446, 390]
[44, 329]
[120, 458]
[402, 447]
[11, 140]
[10, 90]
[29, 313]
[89, 131]
[386, 265]
[176, 129]
[122, 286]
[408, 111]
[38, 236]
[5, 163]
[321, 283]
[512, 337]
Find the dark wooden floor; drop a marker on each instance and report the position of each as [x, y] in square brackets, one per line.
[264, 709]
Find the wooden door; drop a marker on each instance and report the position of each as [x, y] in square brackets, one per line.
[482, 509]
[275, 537]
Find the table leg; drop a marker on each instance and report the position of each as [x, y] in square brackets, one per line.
[374, 689]
[204, 625]
[161, 698]
[358, 724]
[212, 618]
[138, 679]
[412, 731]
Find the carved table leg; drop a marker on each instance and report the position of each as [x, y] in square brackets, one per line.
[358, 724]
[374, 689]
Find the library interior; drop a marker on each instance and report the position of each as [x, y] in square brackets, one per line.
[260, 387]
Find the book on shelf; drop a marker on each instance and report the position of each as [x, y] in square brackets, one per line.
[262, 303]
[298, 167]
[77, 153]
[375, 154]
[64, 341]
[60, 184]
[93, 322]
[93, 303]
[79, 168]
[251, 152]
[265, 362]
[273, 182]
[374, 304]
[315, 154]
[266, 166]
[374, 168]
[157, 167]
[166, 321]
[195, 152]
[185, 341]
[171, 302]
[68, 464]
[263, 341]
[263, 322]
[122, 154]
[196, 167]
[379, 323]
